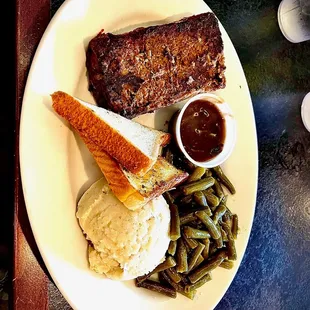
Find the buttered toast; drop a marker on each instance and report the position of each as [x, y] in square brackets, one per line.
[135, 147]
[132, 190]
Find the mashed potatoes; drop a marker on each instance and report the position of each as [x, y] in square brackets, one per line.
[125, 244]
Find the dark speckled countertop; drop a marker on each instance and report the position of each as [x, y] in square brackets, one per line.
[275, 271]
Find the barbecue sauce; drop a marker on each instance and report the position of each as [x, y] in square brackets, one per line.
[203, 130]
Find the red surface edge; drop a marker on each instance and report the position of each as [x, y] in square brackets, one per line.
[29, 277]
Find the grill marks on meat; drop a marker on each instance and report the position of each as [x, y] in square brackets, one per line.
[149, 68]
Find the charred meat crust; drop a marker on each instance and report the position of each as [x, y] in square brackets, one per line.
[149, 68]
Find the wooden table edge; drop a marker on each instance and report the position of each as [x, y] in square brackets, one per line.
[29, 275]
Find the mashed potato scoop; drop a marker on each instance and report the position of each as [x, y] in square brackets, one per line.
[124, 244]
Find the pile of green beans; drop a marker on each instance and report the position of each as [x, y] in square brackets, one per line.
[202, 231]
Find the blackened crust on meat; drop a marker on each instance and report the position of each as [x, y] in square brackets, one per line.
[150, 68]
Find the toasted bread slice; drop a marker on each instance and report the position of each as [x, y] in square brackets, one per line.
[134, 146]
[132, 190]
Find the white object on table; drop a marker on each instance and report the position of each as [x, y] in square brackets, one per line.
[305, 111]
[294, 20]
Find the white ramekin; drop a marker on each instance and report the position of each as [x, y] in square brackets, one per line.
[230, 137]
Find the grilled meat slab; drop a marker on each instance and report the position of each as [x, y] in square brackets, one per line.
[149, 68]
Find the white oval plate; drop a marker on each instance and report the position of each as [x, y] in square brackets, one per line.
[57, 168]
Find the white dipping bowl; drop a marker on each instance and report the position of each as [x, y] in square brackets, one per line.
[230, 128]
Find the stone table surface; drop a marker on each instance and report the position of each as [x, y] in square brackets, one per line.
[275, 271]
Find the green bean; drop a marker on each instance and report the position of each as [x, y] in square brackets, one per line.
[227, 230]
[177, 286]
[196, 174]
[192, 233]
[198, 284]
[212, 200]
[219, 212]
[169, 156]
[207, 267]
[175, 232]
[212, 249]
[173, 275]
[209, 190]
[200, 199]
[190, 295]
[168, 263]
[162, 280]
[227, 264]
[207, 221]
[219, 242]
[204, 218]
[188, 249]
[172, 247]
[184, 280]
[196, 186]
[231, 249]
[230, 244]
[205, 252]
[188, 218]
[192, 243]
[169, 198]
[176, 193]
[207, 210]
[196, 225]
[208, 173]
[234, 226]
[224, 235]
[200, 259]
[228, 211]
[158, 287]
[190, 166]
[181, 257]
[224, 180]
[194, 208]
[186, 200]
[226, 218]
[193, 258]
[225, 198]
[181, 285]
[218, 190]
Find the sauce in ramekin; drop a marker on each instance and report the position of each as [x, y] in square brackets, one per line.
[203, 130]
